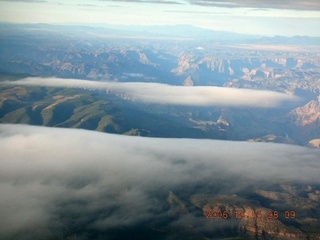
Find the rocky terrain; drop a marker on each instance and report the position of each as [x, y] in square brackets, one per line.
[267, 218]
[308, 114]
[294, 71]
[281, 210]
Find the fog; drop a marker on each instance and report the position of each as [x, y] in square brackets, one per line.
[173, 95]
[57, 180]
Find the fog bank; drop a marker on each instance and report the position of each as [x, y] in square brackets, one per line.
[157, 93]
[51, 178]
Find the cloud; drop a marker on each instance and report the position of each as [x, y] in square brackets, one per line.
[134, 75]
[65, 181]
[27, 1]
[311, 5]
[144, 1]
[86, 5]
[157, 93]
[197, 12]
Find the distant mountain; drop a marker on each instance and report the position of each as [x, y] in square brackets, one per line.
[295, 40]
[177, 32]
[185, 31]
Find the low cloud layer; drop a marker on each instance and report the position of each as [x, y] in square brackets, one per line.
[157, 93]
[61, 181]
[145, 1]
[312, 5]
[31, 1]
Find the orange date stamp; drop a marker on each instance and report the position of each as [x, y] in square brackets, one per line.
[241, 214]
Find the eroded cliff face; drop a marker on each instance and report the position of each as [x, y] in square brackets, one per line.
[308, 114]
[304, 122]
[218, 69]
[315, 143]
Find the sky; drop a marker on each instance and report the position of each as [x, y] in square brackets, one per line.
[261, 17]
[109, 181]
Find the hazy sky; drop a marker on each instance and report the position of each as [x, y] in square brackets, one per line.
[265, 17]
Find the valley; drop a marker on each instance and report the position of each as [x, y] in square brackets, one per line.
[293, 70]
[166, 143]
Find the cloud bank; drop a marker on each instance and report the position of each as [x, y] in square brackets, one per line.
[312, 5]
[27, 1]
[145, 1]
[157, 93]
[56, 182]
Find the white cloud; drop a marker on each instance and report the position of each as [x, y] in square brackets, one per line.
[157, 93]
[296, 5]
[56, 179]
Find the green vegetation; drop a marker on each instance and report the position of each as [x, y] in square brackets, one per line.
[93, 110]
